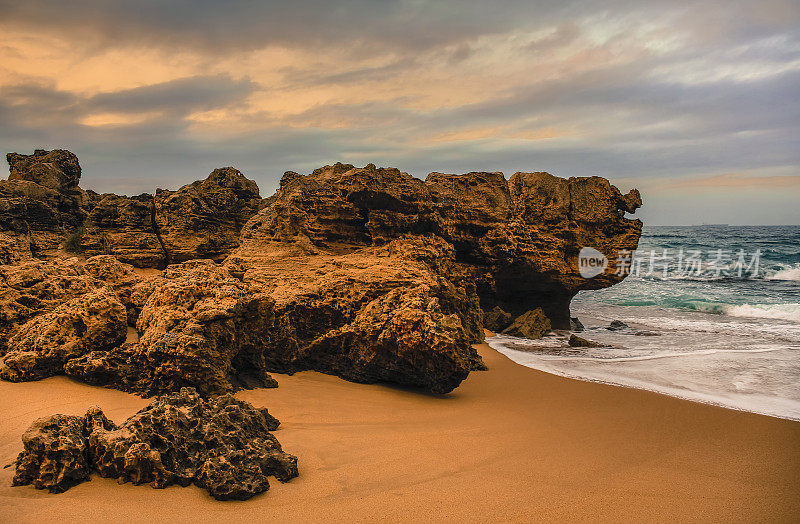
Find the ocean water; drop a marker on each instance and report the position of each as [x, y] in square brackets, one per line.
[721, 327]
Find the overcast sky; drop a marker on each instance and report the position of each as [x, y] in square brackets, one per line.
[695, 103]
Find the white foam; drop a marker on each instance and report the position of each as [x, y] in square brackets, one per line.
[777, 311]
[788, 273]
[701, 376]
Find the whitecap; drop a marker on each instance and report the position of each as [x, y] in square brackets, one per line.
[776, 311]
[788, 273]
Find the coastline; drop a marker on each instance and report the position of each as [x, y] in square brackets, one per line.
[511, 443]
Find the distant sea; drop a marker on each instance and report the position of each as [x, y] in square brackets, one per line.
[715, 320]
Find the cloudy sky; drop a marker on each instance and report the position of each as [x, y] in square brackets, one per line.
[695, 103]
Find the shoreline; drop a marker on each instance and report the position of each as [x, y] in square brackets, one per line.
[709, 399]
[511, 443]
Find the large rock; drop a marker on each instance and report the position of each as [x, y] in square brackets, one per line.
[55, 454]
[518, 240]
[222, 445]
[57, 169]
[200, 220]
[533, 324]
[41, 347]
[383, 313]
[37, 287]
[41, 203]
[197, 327]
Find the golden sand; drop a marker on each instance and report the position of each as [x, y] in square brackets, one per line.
[510, 444]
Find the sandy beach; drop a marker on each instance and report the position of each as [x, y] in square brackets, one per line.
[510, 444]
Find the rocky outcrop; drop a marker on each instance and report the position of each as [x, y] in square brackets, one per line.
[365, 273]
[518, 240]
[496, 319]
[37, 287]
[58, 169]
[200, 220]
[385, 313]
[41, 347]
[197, 327]
[533, 324]
[222, 445]
[41, 203]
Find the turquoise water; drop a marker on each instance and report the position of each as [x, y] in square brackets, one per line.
[709, 335]
[771, 292]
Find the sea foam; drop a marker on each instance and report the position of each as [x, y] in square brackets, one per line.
[788, 273]
[776, 311]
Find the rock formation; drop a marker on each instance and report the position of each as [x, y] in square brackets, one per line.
[533, 324]
[518, 240]
[200, 220]
[57, 288]
[222, 445]
[197, 327]
[57, 169]
[40, 203]
[365, 273]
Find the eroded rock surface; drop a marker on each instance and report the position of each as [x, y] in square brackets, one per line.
[365, 273]
[200, 220]
[197, 326]
[57, 169]
[37, 287]
[533, 324]
[222, 445]
[518, 240]
[40, 348]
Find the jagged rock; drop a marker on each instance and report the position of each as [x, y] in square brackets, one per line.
[57, 169]
[55, 453]
[222, 445]
[41, 347]
[575, 324]
[496, 319]
[518, 240]
[123, 227]
[36, 287]
[533, 324]
[580, 342]
[203, 219]
[41, 203]
[616, 325]
[198, 327]
[200, 220]
[376, 314]
[647, 334]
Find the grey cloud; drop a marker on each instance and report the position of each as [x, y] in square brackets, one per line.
[182, 95]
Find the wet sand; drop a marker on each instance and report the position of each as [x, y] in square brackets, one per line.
[510, 444]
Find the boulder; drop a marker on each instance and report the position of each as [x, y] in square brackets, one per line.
[55, 454]
[496, 319]
[533, 324]
[617, 325]
[39, 349]
[36, 287]
[222, 445]
[386, 313]
[580, 342]
[57, 169]
[197, 327]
